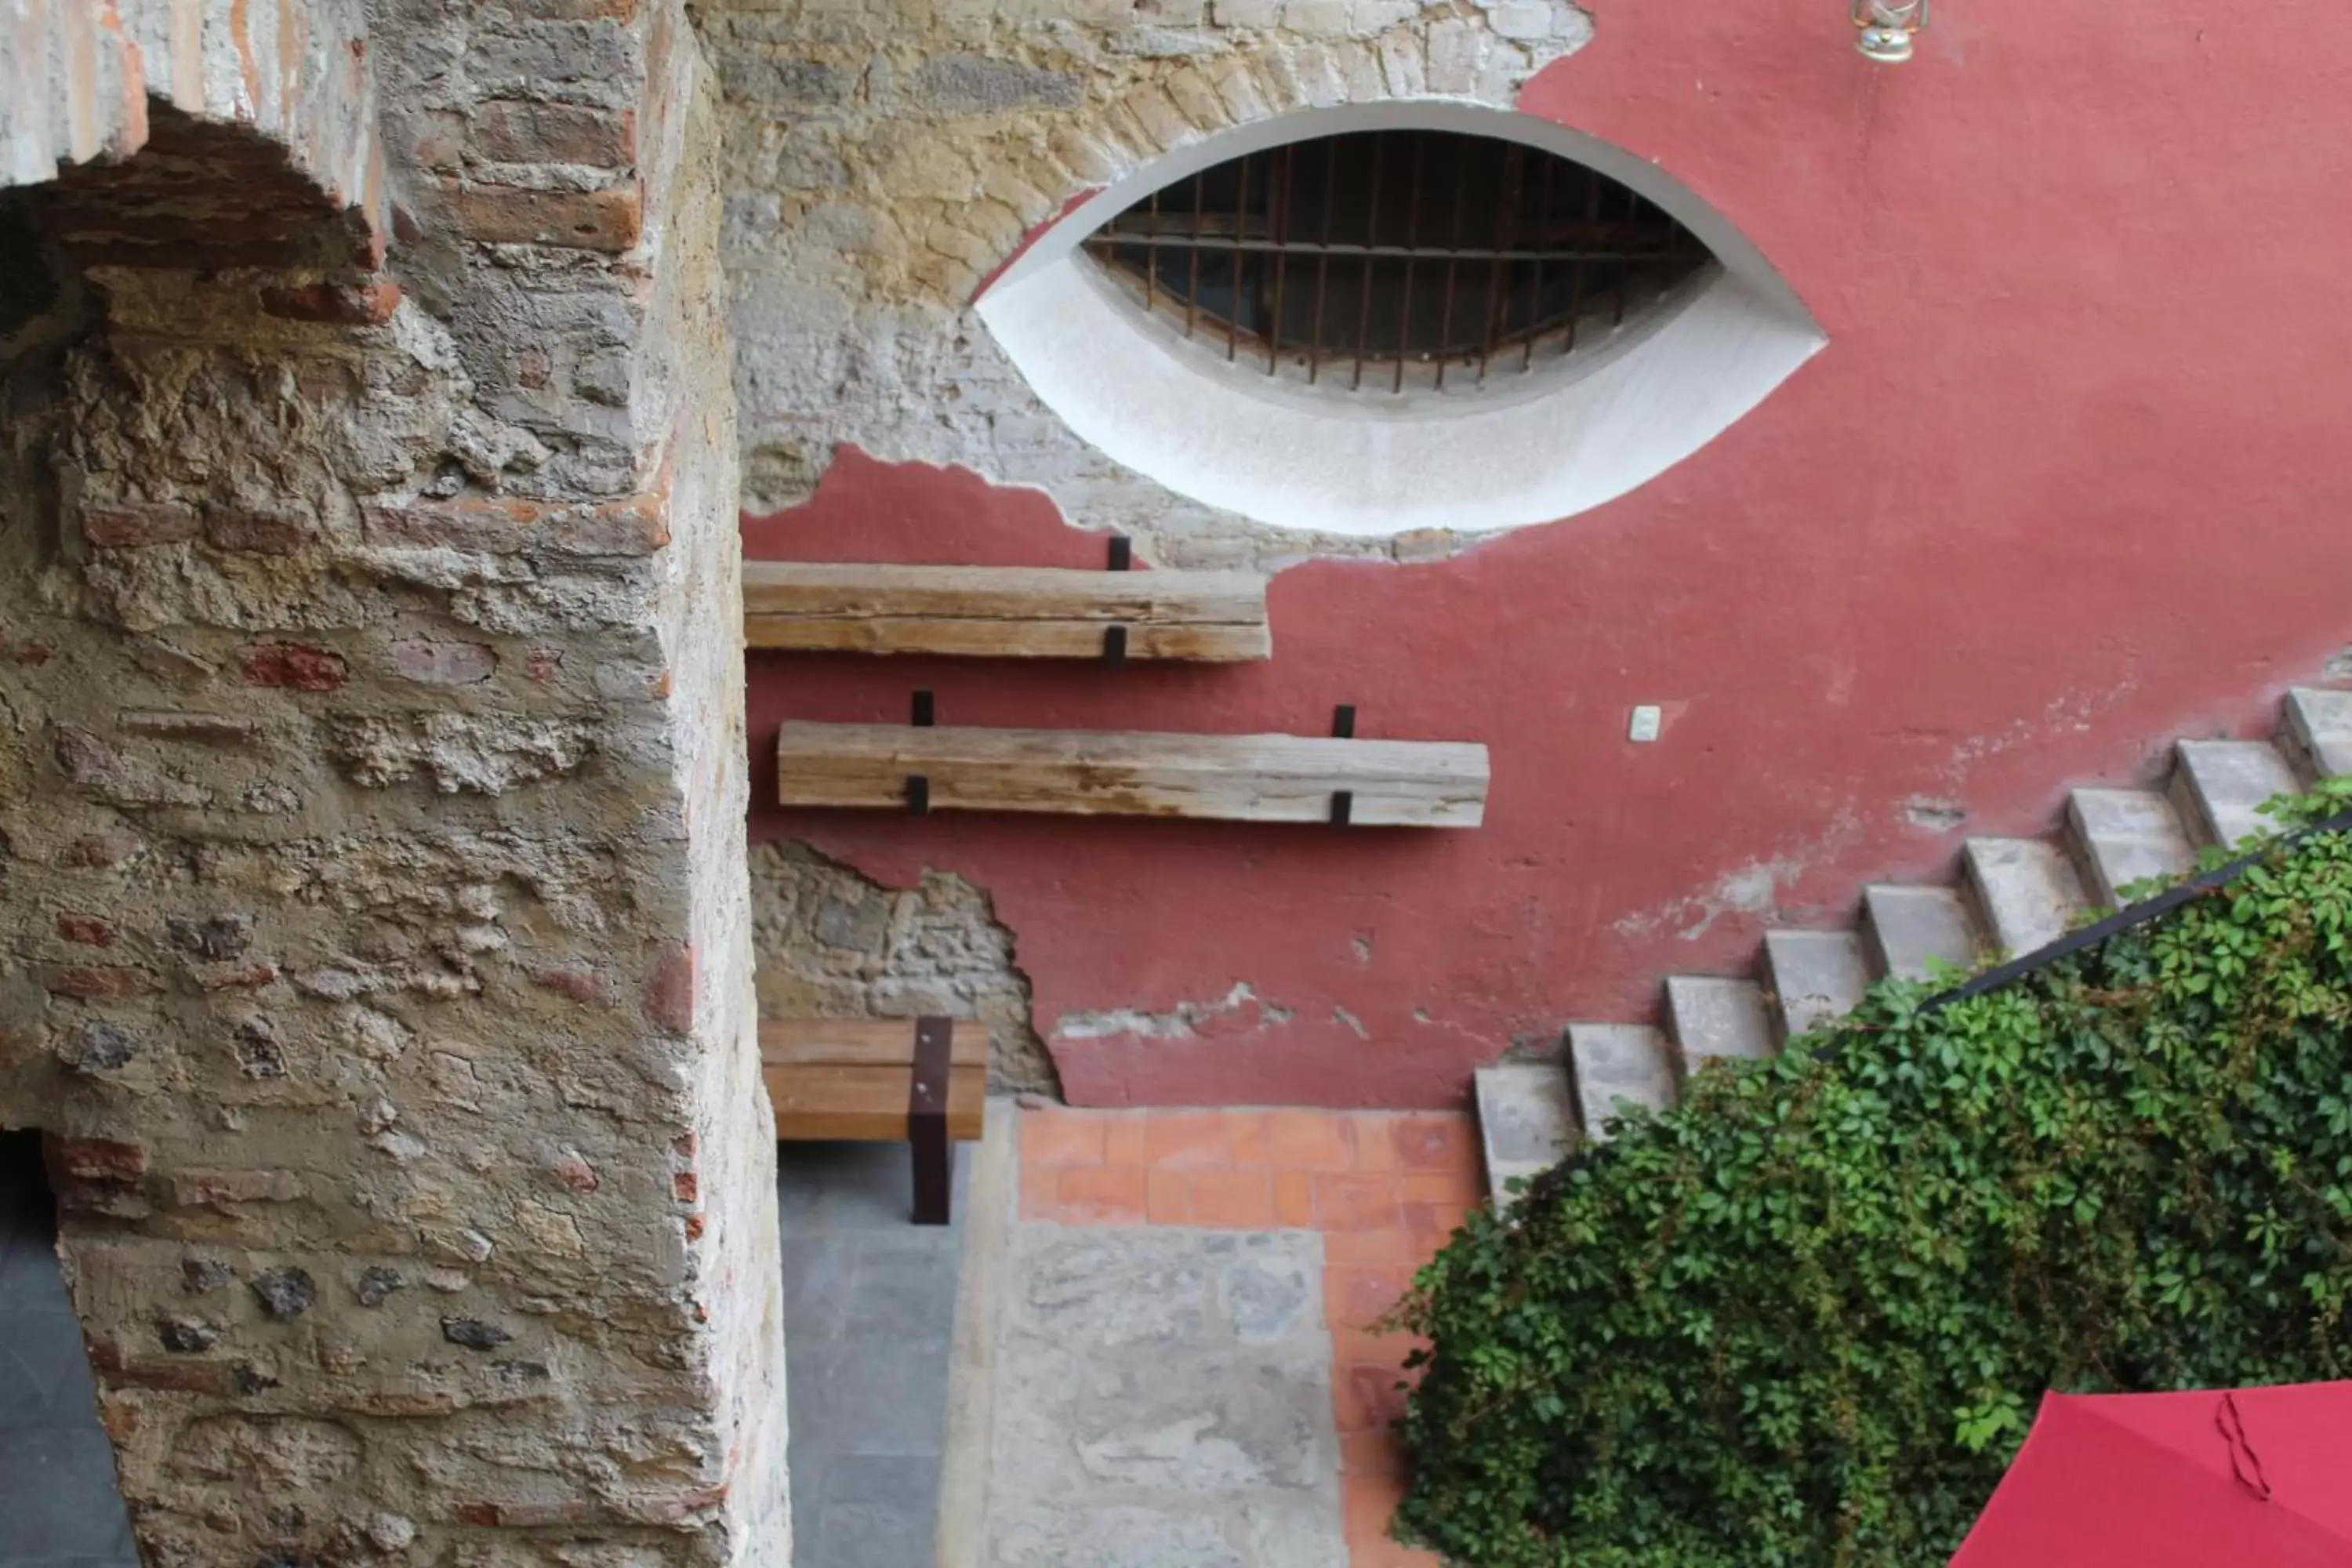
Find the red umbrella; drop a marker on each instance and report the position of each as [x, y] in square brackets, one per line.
[2256, 1477]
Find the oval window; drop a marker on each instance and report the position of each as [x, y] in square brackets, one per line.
[1375, 318]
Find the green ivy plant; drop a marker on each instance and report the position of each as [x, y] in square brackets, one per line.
[1805, 1316]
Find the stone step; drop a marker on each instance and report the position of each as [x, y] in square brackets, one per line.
[1525, 1123]
[1612, 1062]
[2319, 724]
[1817, 975]
[1712, 1017]
[2026, 892]
[2217, 786]
[1905, 928]
[2122, 836]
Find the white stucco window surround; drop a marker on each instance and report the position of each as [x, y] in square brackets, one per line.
[1523, 447]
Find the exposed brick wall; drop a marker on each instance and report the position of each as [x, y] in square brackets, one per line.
[371, 801]
[832, 945]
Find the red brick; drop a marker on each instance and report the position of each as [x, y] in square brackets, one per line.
[366, 305]
[669, 989]
[435, 662]
[527, 132]
[585, 985]
[88, 929]
[96, 1159]
[251, 977]
[686, 1186]
[608, 220]
[193, 1189]
[543, 665]
[576, 1174]
[295, 667]
[94, 982]
[130, 525]
[261, 533]
[638, 525]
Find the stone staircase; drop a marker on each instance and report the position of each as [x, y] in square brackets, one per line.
[2012, 895]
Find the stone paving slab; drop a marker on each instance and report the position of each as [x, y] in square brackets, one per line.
[1163, 1401]
[1379, 1191]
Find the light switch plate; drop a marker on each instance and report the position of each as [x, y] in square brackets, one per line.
[1647, 721]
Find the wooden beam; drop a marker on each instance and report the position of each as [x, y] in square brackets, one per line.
[861, 1042]
[867, 1104]
[1005, 612]
[1242, 778]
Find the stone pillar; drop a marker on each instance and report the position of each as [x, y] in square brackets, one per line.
[372, 792]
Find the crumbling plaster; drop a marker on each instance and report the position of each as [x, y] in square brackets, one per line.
[883, 161]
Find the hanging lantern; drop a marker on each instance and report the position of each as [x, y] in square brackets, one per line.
[1883, 28]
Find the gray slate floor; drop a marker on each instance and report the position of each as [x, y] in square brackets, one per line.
[58, 1506]
[869, 1328]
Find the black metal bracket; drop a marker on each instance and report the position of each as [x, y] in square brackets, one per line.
[918, 785]
[1122, 559]
[927, 1120]
[1343, 727]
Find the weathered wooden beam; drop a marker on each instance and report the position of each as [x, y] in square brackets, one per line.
[860, 1042]
[1244, 778]
[1005, 612]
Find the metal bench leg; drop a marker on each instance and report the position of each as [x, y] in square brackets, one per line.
[927, 1122]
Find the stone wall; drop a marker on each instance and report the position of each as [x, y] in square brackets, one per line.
[833, 944]
[372, 789]
[882, 160]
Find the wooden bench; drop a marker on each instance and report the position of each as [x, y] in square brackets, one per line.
[882, 1080]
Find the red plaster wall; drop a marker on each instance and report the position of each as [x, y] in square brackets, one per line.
[2070, 480]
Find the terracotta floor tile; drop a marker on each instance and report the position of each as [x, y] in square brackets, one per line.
[1457, 1186]
[1250, 1138]
[1372, 1454]
[1372, 1148]
[1230, 1200]
[1294, 1198]
[1356, 1296]
[1429, 1226]
[1357, 1202]
[1383, 1245]
[1167, 1197]
[1309, 1140]
[1110, 1195]
[1124, 1135]
[1053, 1137]
[1434, 1143]
[1366, 1396]
[1186, 1139]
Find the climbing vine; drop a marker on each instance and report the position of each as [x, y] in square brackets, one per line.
[1805, 1316]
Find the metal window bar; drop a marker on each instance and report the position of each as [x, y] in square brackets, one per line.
[1472, 267]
